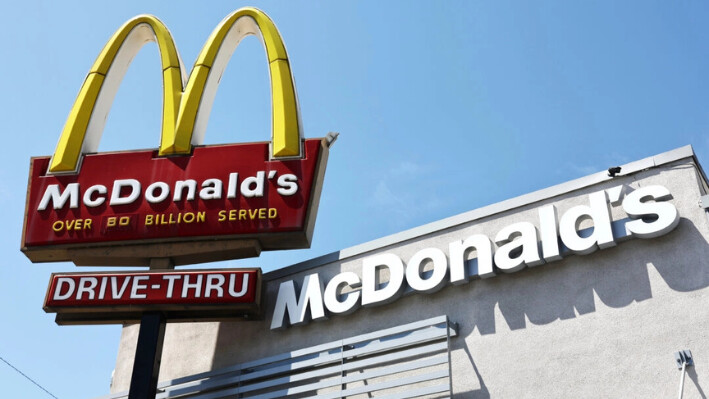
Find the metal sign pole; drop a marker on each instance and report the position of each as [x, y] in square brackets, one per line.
[148, 351]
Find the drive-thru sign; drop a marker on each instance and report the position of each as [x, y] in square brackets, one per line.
[190, 295]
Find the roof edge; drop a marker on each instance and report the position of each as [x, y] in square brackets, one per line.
[488, 210]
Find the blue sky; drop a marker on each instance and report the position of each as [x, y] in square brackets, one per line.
[442, 108]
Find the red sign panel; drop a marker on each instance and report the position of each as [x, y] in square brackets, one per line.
[189, 295]
[222, 192]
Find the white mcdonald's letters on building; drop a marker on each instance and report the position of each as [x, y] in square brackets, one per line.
[516, 246]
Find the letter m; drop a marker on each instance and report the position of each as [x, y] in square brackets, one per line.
[311, 294]
[71, 193]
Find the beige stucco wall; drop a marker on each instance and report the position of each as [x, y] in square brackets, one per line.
[600, 325]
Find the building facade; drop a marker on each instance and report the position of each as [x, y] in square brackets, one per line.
[586, 289]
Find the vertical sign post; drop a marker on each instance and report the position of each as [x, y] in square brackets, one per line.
[148, 352]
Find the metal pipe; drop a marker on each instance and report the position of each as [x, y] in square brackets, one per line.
[681, 381]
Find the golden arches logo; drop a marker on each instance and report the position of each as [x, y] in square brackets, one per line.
[186, 102]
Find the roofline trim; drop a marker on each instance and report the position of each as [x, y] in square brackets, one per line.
[488, 210]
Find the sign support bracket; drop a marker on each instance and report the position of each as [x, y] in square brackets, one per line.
[148, 351]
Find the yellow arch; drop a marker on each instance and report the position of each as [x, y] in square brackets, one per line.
[185, 114]
[207, 70]
[85, 123]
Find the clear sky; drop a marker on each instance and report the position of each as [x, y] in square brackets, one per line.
[443, 107]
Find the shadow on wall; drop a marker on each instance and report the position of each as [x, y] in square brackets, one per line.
[569, 288]
[482, 392]
[561, 290]
[692, 374]
[564, 290]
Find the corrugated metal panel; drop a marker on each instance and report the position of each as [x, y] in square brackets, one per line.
[407, 361]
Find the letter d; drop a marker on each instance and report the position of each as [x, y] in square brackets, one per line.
[371, 293]
[60, 283]
[602, 233]
[118, 185]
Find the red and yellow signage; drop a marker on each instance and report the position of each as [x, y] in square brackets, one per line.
[184, 295]
[183, 201]
[138, 198]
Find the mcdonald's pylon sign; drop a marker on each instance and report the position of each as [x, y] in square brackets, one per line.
[184, 201]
